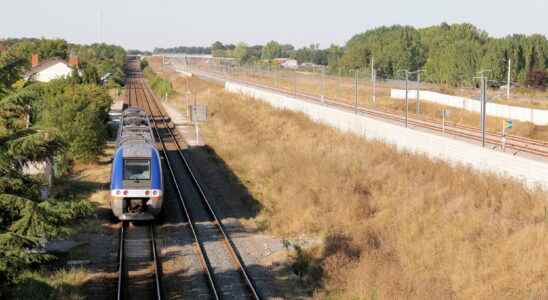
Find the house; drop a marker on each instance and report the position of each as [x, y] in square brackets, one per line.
[287, 63]
[49, 69]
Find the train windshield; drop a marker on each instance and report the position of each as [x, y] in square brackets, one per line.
[137, 169]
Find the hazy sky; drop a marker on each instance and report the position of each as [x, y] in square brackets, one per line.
[148, 24]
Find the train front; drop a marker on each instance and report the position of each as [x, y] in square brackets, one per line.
[136, 184]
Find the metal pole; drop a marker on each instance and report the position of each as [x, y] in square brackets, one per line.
[406, 97]
[483, 107]
[443, 120]
[356, 91]
[374, 79]
[339, 83]
[197, 134]
[323, 84]
[295, 82]
[418, 91]
[508, 83]
[503, 136]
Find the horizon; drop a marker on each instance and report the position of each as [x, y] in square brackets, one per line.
[169, 24]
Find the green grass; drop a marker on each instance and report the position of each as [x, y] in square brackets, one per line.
[61, 284]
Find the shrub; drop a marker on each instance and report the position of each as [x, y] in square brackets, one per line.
[538, 78]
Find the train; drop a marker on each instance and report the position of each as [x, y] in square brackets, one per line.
[137, 187]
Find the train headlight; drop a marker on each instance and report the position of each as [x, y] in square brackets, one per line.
[154, 193]
[147, 192]
[125, 192]
[118, 192]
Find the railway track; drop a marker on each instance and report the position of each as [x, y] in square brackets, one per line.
[223, 268]
[514, 144]
[139, 271]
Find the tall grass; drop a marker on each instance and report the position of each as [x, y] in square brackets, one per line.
[395, 225]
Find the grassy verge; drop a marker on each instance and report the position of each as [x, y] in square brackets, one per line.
[159, 85]
[394, 225]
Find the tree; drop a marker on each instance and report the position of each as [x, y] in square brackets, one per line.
[40, 122]
[334, 54]
[218, 49]
[271, 51]
[11, 68]
[241, 52]
[394, 48]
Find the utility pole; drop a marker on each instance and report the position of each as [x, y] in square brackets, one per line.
[406, 94]
[374, 79]
[295, 82]
[323, 84]
[483, 98]
[418, 91]
[339, 83]
[356, 91]
[406, 98]
[509, 78]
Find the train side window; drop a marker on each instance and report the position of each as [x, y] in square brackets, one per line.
[137, 169]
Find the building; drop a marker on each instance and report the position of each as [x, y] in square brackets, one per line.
[49, 69]
[287, 63]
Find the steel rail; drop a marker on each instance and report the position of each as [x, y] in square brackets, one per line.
[121, 288]
[215, 219]
[122, 276]
[157, 268]
[452, 129]
[204, 260]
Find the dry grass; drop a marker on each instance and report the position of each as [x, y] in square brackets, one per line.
[342, 89]
[396, 225]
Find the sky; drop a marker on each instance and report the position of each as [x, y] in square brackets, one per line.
[145, 24]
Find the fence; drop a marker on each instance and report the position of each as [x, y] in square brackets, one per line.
[529, 171]
[525, 114]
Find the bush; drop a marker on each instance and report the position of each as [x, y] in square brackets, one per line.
[159, 85]
[538, 79]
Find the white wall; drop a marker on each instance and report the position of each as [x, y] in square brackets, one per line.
[530, 171]
[184, 73]
[535, 116]
[55, 71]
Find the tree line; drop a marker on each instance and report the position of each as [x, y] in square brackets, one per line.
[59, 122]
[448, 54]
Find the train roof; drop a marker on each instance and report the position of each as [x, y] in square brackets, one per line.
[134, 128]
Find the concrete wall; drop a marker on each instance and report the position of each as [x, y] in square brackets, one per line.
[530, 171]
[535, 116]
[184, 73]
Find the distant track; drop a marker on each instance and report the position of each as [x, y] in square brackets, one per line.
[515, 144]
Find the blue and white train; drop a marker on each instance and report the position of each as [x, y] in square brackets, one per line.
[136, 188]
